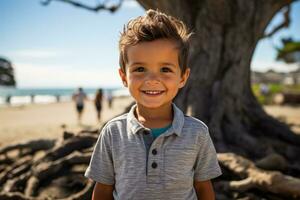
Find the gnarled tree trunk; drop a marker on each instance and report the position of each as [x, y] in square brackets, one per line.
[219, 89]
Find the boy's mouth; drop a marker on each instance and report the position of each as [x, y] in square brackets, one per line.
[153, 92]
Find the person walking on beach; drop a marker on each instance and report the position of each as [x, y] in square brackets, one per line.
[154, 151]
[8, 99]
[79, 98]
[98, 103]
[109, 99]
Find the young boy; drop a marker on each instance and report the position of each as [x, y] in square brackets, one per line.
[154, 151]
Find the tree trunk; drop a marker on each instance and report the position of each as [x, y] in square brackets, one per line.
[219, 88]
[225, 36]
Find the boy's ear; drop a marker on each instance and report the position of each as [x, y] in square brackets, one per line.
[123, 77]
[184, 77]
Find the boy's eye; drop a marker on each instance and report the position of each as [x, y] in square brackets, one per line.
[166, 69]
[139, 69]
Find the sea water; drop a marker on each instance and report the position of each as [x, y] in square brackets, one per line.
[23, 96]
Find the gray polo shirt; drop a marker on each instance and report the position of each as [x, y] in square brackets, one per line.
[126, 155]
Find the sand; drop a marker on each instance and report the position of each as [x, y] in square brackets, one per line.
[288, 114]
[46, 120]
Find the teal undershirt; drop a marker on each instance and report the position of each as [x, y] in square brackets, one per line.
[158, 131]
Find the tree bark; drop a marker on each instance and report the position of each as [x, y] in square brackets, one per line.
[225, 36]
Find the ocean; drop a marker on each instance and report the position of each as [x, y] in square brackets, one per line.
[23, 96]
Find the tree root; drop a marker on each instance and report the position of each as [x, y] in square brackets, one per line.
[61, 149]
[253, 177]
[33, 145]
[23, 178]
[61, 167]
[15, 169]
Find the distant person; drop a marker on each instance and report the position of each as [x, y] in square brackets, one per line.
[32, 98]
[57, 97]
[264, 89]
[8, 99]
[79, 98]
[154, 151]
[98, 102]
[109, 99]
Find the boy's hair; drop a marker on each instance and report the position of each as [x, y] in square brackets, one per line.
[152, 26]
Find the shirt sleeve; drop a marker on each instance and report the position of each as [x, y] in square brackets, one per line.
[207, 166]
[101, 167]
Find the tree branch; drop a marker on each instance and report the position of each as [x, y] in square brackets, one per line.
[146, 4]
[100, 6]
[284, 24]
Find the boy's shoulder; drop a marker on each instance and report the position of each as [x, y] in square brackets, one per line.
[117, 121]
[195, 124]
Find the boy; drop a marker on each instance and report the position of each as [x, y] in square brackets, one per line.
[154, 151]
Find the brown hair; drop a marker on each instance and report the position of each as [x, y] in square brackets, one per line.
[152, 26]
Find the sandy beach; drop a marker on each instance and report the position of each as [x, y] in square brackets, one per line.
[47, 120]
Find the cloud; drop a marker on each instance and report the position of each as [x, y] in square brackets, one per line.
[263, 66]
[33, 75]
[37, 53]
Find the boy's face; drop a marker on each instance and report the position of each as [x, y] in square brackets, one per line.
[153, 75]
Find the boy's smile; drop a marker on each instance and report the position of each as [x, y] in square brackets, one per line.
[153, 75]
[153, 92]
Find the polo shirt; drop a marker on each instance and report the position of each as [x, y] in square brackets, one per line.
[141, 168]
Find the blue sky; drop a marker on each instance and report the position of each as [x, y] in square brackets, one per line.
[61, 46]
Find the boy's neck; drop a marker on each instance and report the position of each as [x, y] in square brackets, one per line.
[154, 117]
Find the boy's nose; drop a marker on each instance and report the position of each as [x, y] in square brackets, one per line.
[152, 79]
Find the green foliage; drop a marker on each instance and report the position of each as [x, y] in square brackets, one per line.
[276, 88]
[289, 47]
[6, 73]
[273, 89]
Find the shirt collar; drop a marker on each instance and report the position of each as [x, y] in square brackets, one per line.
[134, 126]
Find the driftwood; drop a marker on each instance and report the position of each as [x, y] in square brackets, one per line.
[254, 177]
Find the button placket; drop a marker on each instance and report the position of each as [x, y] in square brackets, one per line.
[154, 167]
[154, 171]
[155, 162]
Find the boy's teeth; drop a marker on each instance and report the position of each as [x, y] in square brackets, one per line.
[152, 92]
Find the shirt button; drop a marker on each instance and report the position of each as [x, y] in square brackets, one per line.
[154, 151]
[154, 165]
